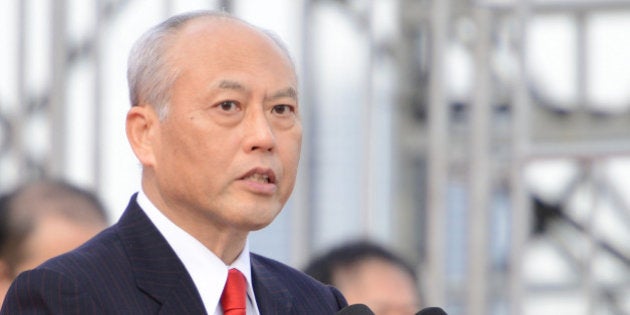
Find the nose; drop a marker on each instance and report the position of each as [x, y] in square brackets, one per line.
[259, 135]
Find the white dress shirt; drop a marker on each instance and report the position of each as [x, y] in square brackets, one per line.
[207, 271]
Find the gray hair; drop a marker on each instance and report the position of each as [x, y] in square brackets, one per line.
[149, 74]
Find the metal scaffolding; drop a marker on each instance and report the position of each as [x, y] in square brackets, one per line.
[537, 133]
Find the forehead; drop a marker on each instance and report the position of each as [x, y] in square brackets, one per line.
[215, 40]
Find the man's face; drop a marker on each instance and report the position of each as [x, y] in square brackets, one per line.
[54, 235]
[384, 287]
[228, 150]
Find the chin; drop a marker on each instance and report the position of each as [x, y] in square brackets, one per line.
[259, 219]
[254, 228]
[252, 224]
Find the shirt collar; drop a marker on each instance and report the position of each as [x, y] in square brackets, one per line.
[207, 271]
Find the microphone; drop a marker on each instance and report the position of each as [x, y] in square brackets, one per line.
[355, 309]
[431, 311]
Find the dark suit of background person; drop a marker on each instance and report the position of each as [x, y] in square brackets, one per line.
[215, 123]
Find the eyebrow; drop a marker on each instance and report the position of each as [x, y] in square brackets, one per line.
[289, 92]
[231, 85]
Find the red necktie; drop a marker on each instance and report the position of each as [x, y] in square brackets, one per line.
[234, 293]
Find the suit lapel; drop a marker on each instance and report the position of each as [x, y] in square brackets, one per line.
[158, 271]
[272, 296]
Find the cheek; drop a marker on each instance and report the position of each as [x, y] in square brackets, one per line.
[292, 144]
[299, 146]
[290, 160]
[196, 143]
[290, 156]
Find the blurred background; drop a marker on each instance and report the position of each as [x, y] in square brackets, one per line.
[488, 142]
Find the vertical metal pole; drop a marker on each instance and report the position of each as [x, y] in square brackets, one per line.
[17, 140]
[226, 5]
[520, 220]
[367, 184]
[301, 230]
[588, 287]
[58, 91]
[167, 8]
[479, 179]
[437, 156]
[98, 113]
[581, 60]
[582, 85]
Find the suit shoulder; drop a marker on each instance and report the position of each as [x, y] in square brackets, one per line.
[41, 290]
[281, 270]
[302, 286]
[93, 274]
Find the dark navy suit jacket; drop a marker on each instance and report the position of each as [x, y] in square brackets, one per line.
[129, 268]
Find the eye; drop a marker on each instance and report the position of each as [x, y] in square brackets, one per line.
[228, 106]
[282, 109]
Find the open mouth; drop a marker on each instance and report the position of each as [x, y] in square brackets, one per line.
[260, 176]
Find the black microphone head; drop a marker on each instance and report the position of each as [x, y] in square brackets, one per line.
[431, 311]
[356, 309]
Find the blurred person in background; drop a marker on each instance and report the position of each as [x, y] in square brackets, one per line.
[41, 220]
[368, 273]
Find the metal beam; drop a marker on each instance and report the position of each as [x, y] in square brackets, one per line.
[553, 6]
[520, 220]
[437, 156]
[480, 179]
[57, 109]
[302, 214]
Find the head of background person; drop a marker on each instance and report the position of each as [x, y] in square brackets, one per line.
[43, 219]
[215, 124]
[368, 273]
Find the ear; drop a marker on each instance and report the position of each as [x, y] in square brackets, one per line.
[142, 126]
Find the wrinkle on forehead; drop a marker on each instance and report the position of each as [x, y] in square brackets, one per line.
[288, 92]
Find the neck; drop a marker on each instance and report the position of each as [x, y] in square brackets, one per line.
[225, 241]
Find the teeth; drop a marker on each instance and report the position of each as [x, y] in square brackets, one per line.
[262, 178]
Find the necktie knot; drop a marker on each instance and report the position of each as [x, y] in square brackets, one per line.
[234, 294]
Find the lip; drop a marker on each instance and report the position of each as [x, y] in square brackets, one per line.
[259, 187]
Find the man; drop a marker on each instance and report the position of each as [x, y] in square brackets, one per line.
[43, 219]
[215, 123]
[369, 274]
